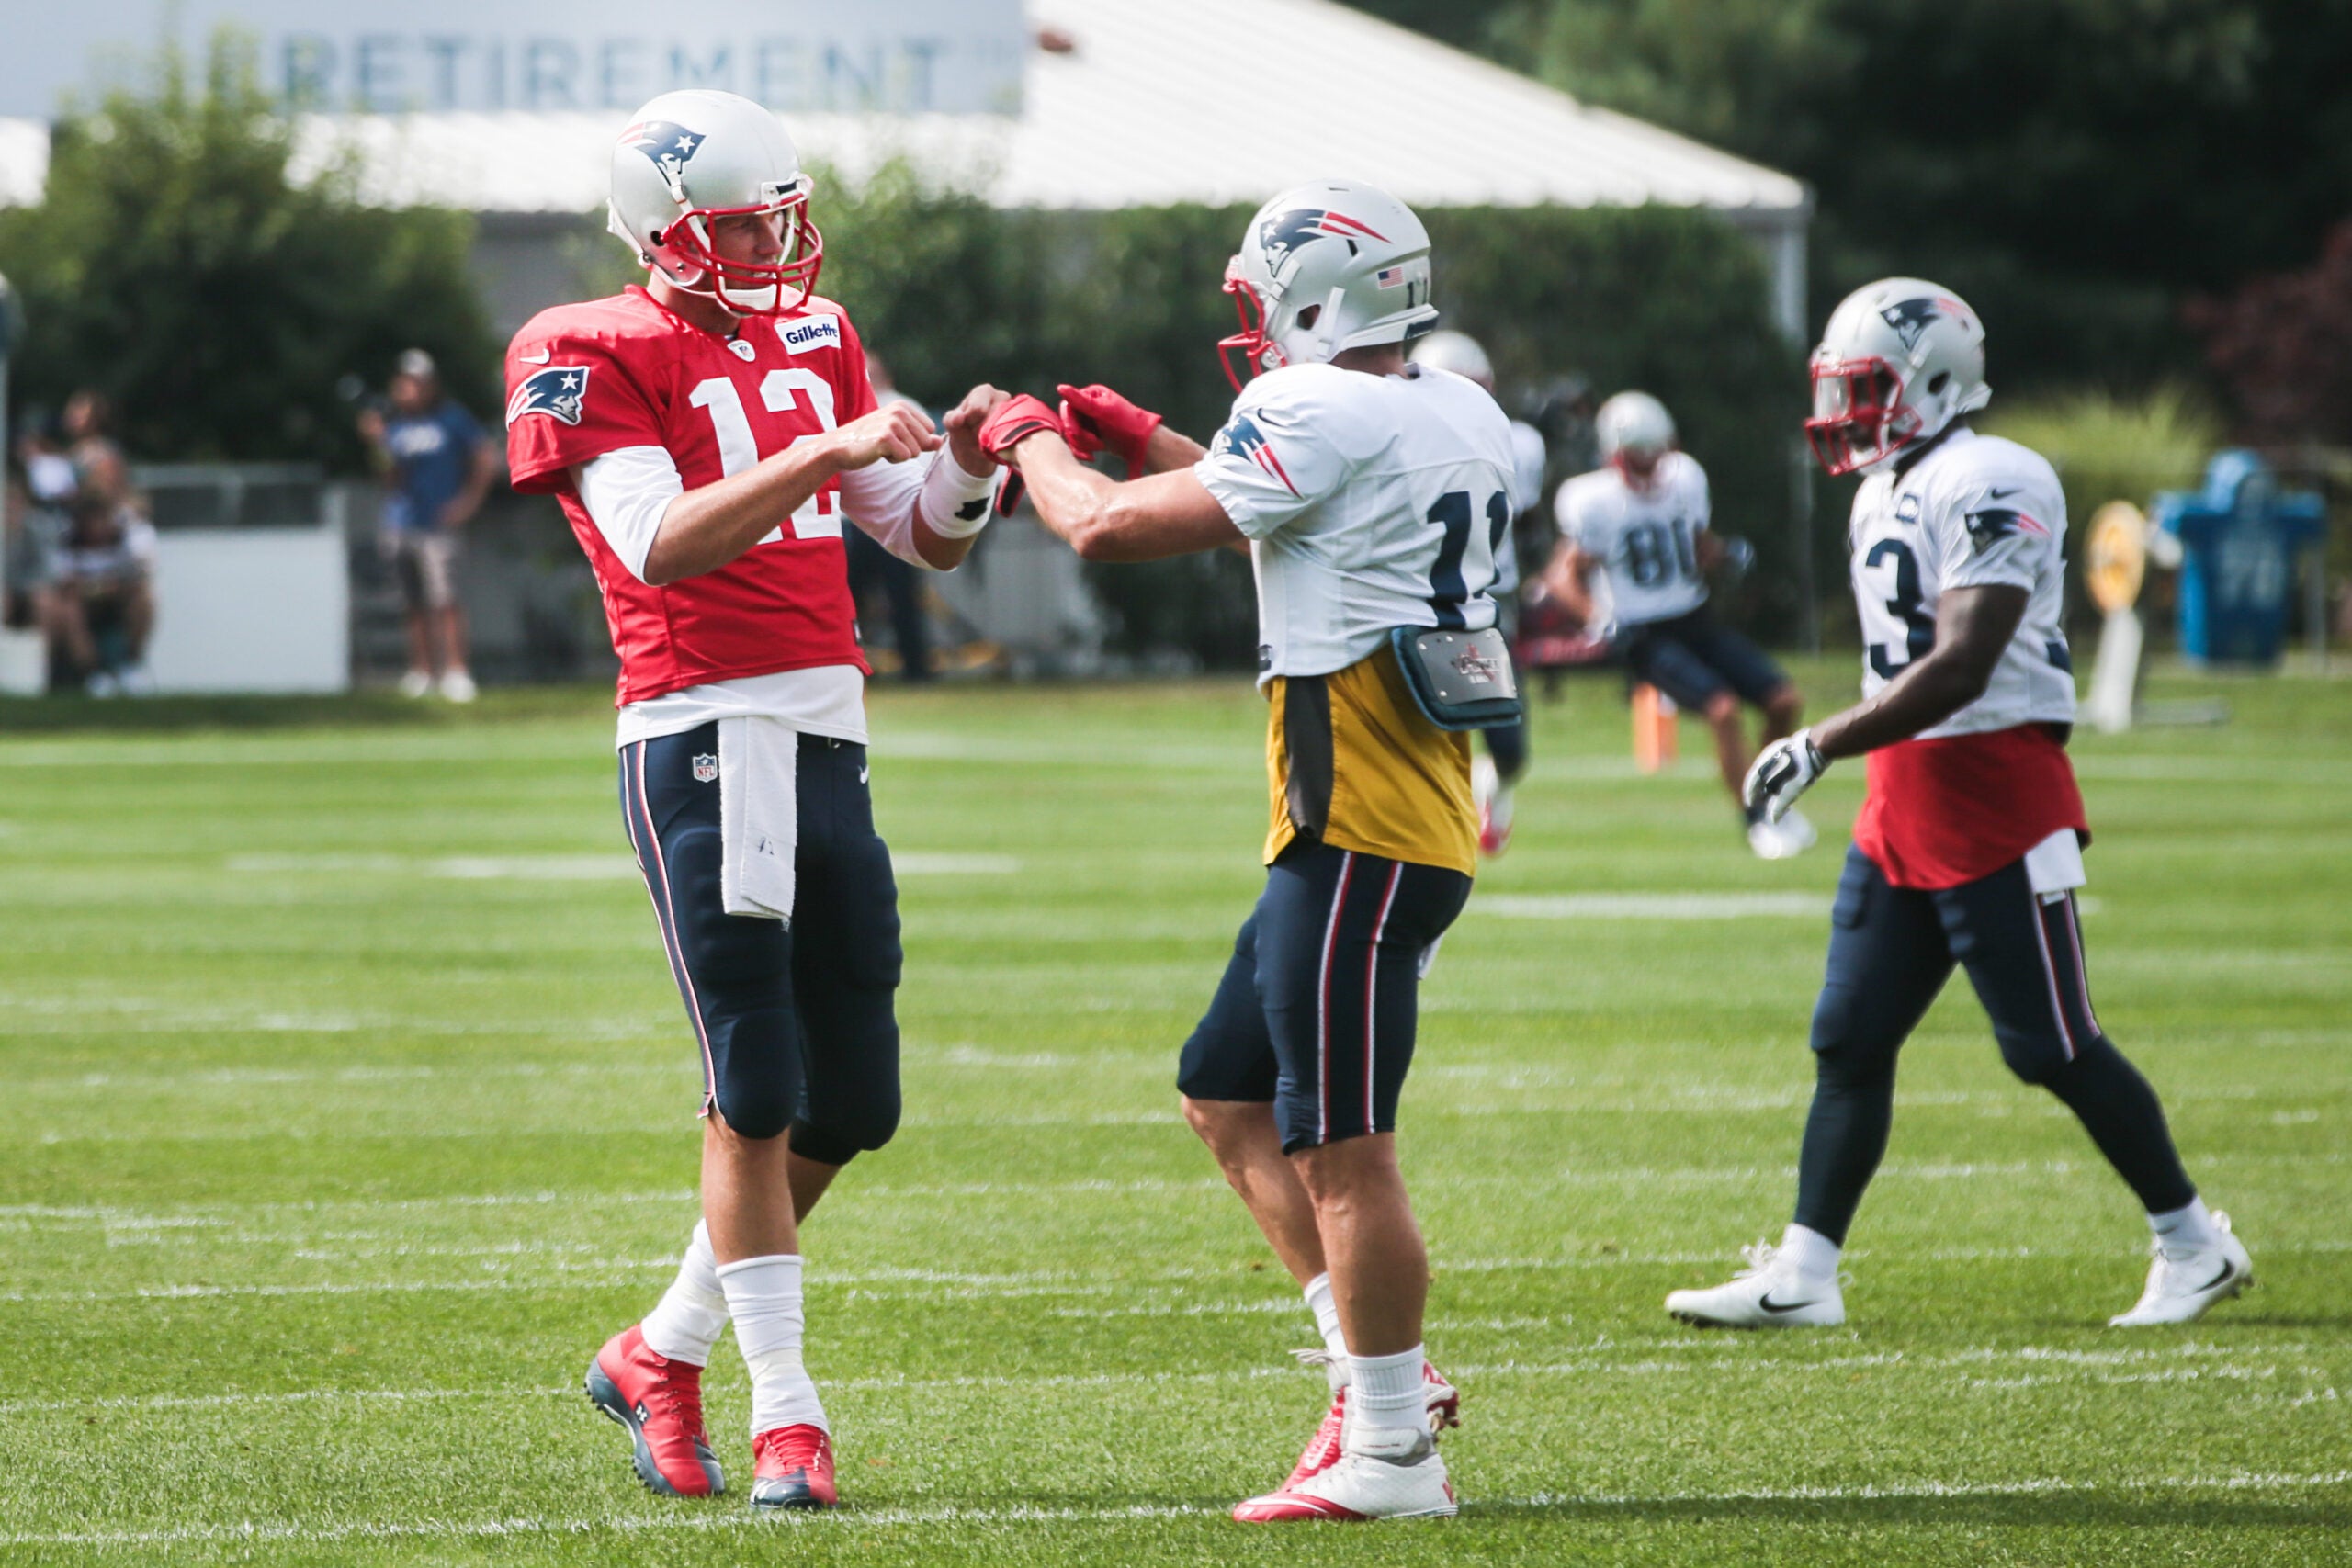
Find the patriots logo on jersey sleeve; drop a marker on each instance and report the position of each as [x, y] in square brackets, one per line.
[1280, 235]
[559, 392]
[670, 145]
[1242, 438]
[1990, 527]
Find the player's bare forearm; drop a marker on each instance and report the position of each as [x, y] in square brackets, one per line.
[1168, 451]
[708, 527]
[1972, 626]
[1151, 518]
[1566, 579]
[941, 554]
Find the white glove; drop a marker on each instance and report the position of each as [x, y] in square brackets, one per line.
[1783, 771]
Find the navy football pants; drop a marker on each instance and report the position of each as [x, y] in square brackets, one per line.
[1317, 1007]
[1891, 949]
[796, 1024]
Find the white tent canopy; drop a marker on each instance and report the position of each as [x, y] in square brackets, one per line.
[1221, 101]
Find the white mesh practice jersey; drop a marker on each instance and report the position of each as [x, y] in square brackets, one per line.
[1370, 502]
[1974, 512]
[1647, 540]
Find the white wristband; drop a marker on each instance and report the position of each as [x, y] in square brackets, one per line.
[955, 504]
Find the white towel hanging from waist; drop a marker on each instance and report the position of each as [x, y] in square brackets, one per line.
[758, 815]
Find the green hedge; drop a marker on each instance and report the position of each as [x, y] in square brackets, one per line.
[1667, 299]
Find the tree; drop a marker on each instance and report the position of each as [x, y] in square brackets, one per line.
[2075, 167]
[2283, 344]
[176, 264]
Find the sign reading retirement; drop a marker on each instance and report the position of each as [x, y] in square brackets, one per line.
[552, 56]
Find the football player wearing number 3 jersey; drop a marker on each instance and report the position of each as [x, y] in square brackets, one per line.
[707, 435]
[1969, 847]
[1372, 495]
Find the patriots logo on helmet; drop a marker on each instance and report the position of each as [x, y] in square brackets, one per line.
[1909, 318]
[1990, 527]
[1242, 438]
[670, 145]
[1280, 235]
[559, 392]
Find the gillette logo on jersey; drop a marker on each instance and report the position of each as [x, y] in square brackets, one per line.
[716, 406]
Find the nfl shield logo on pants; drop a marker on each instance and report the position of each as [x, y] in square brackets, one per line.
[706, 768]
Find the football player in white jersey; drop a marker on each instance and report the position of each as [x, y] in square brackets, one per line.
[1968, 850]
[1372, 495]
[1637, 529]
[1494, 775]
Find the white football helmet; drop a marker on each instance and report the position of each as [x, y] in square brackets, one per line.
[1634, 425]
[1324, 267]
[1900, 359]
[692, 156]
[1457, 352]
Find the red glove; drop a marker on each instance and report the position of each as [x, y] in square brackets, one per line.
[1095, 417]
[1015, 420]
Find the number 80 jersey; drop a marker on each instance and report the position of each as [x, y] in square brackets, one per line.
[1370, 502]
[588, 379]
[1973, 510]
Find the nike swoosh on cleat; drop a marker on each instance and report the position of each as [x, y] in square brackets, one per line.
[1768, 1305]
[2229, 1270]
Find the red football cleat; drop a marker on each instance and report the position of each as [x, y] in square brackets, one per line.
[794, 1469]
[660, 1401]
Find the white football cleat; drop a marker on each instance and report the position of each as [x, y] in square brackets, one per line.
[1767, 1294]
[2182, 1286]
[1385, 1474]
[1797, 831]
[416, 683]
[457, 686]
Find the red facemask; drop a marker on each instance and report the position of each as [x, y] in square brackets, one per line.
[790, 278]
[1251, 340]
[1859, 415]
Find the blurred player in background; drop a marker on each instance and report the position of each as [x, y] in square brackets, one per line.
[1372, 494]
[707, 434]
[872, 567]
[1639, 525]
[1969, 847]
[1493, 775]
[438, 465]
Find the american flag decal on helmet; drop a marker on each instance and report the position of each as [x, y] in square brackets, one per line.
[1390, 278]
[559, 392]
[1242, 438]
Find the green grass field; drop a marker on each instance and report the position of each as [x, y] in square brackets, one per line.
[345, 1107]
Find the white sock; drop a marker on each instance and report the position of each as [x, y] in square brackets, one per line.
[693, 1312]
[2187, 1230]
[1386, 1394]
[764, 1296]
[1814, 1254]
[1326, 1309]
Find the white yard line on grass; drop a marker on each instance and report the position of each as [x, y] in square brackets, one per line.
[852, 1519]
[1598, 1359]
[563, 868]
[1650, 905]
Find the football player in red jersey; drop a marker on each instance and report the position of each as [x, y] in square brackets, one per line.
[707, 434]
[1969, 847]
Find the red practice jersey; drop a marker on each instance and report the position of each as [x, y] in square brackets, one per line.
[1938, 813]
[585, 380]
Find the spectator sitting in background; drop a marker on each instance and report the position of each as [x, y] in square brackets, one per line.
[102, 597]
[29, 534]
[88, 428]
[49, 472]
[438, 466]
[871, 566]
